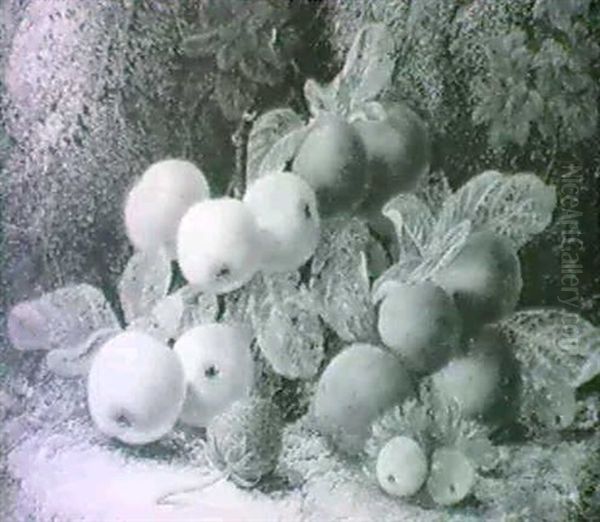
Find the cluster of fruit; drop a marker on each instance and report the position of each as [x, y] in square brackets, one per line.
[439, 333]
[220, 244]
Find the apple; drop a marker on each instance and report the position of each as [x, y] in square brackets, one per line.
[356, 387]
[421, 324]
[136, 388]
[285, 208]
[451, 478]
[158, 201]
[219, 245]
[484, 279]
[218, 368]
[485, 381]
[333, 160]
[401, 467]
[398, 153]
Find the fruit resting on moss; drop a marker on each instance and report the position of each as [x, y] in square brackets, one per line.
[332, 159]
[135, 388]
[484, 279]
[398, 153]
[421, 324]
[218, 369]
[401, 467]
[451, 478]
[356, 387]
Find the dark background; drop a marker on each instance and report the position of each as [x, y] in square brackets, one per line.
[94, 91]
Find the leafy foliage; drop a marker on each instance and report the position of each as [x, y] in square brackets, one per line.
[340, 282]
[61, 319]
[554, 472]
[288, 329]
[553, 347]
[433, 224]
[250, 45]
[145, 280]
[433, 422]
[366, 74]
[521, 70]
[270, 128]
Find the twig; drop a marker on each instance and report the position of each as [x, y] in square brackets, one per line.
[168, 500]
[237, 185]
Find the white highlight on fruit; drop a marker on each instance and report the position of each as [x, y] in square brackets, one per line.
[136, 388]
[219, 245]
[285, 207]
[158, 201]
[401, 467]
[218, 368]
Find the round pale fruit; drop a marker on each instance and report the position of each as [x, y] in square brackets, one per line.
[218, 245]
[401, 467]
[451, 477]
[158, 201]
[485, 382]
[356, 387]
[285, 208]
[484, 279]
[421, 324]
[398, 153]
[332, 159]
[218, 369]
[136, 388]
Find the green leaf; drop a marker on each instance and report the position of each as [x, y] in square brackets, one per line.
[340, 283]
[267, 130]
[369, 65]
[144, 282]
[516, 206]
[554, 339]
[555, 348]
[62, 319]
[282, 152]
[413, 222]
[320, 98]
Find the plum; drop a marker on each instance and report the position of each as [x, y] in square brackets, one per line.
[421, 324]
[359, 383]
[285, 208]
[484, 279]
[136, 388]
[218, 245]
[157, 202]
[485, 381]
[401, 467]
[451, 478]
[333, 160]
[398, 153]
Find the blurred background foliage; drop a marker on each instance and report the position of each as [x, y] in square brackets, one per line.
[94, 91]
